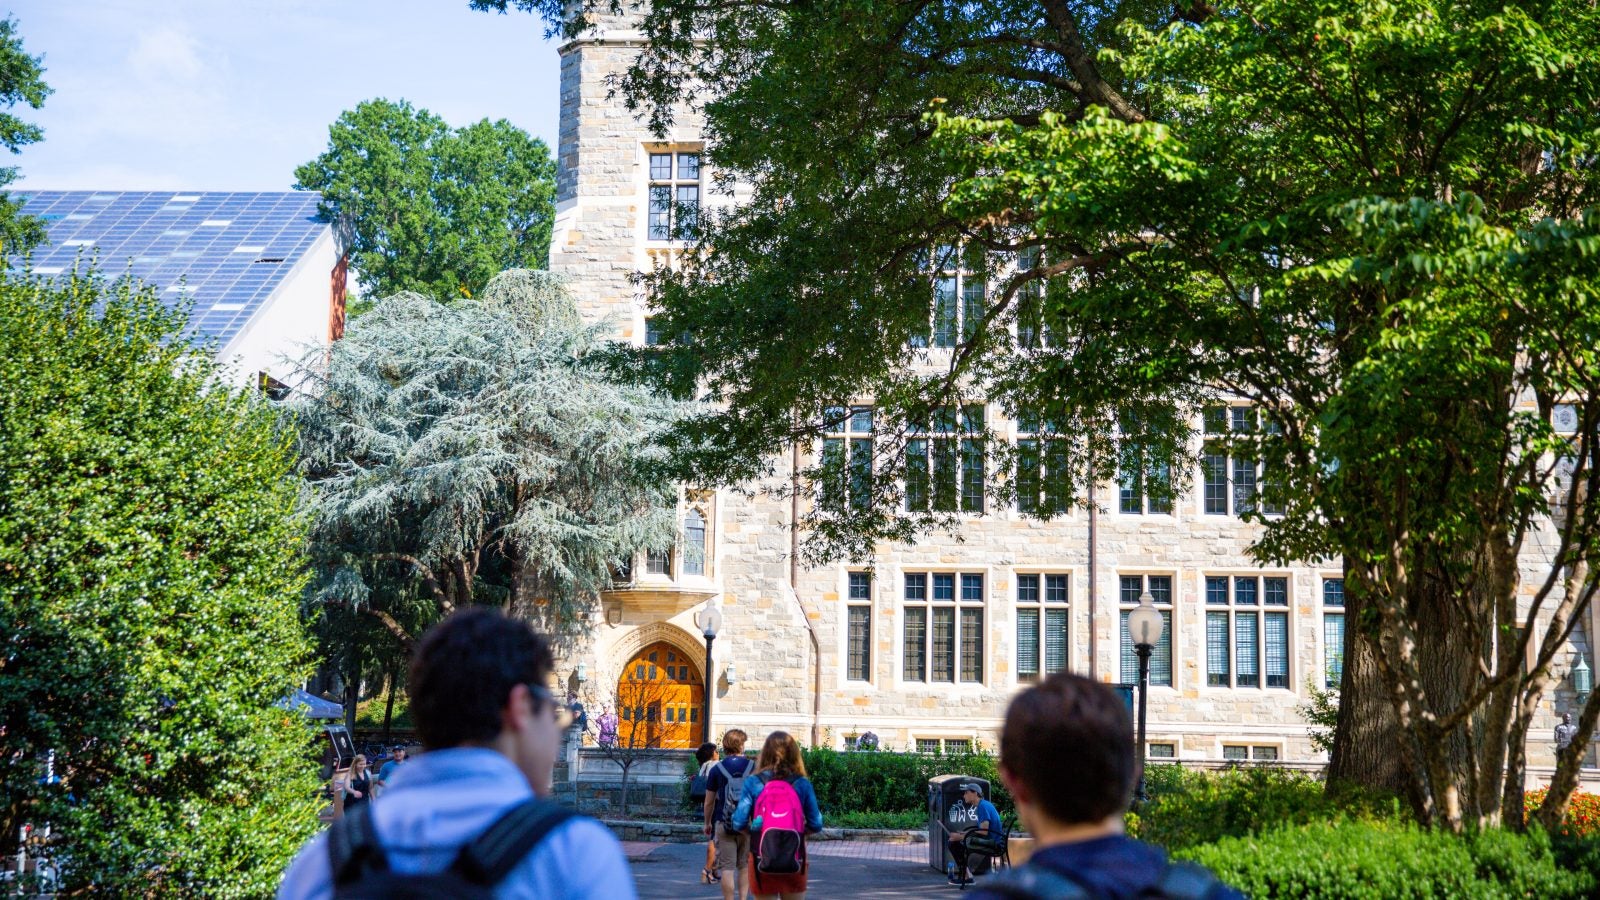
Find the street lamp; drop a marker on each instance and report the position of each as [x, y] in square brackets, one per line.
[709, 620]
[1144, 628]
[1582, 680]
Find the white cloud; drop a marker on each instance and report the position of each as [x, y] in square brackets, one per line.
[166, 53]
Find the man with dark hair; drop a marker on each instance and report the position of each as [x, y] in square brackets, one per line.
[492, 731]
[1066, 755]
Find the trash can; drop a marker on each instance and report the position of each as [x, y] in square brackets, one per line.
[944, 792]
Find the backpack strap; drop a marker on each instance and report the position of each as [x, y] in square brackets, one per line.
[513, 836]
[1187, 881]
[1037, 883]
[353, 846]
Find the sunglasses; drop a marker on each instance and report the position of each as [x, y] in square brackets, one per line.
[543, 696]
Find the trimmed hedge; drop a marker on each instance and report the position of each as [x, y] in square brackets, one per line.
[1380, 860]
[1188, 807]
[884, 782]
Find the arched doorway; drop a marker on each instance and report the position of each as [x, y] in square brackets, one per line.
[659, 699]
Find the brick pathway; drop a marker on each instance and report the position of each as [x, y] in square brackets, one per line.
[874, 850]
[847, 870]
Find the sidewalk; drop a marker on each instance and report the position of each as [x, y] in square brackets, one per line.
[839, 869]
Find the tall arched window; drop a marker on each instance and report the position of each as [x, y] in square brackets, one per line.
[694, 543]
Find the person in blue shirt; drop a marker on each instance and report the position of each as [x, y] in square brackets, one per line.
[973, 813]
[779, 760]
[1066, 755]
[492, 731]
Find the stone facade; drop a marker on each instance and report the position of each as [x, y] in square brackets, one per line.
[763, 655]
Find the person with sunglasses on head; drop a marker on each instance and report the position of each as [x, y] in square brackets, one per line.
[468, 817]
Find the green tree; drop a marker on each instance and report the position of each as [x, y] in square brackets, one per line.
[1367, 221]
[21, 81]
[477, 453]
[430, 208]
[150, 572]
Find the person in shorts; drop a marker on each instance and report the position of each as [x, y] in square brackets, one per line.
[733, 847]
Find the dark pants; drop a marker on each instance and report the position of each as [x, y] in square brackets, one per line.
[958, 850]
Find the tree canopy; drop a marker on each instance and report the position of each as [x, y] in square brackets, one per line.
[150, 574]
[430, 208]
[21, 81]
[1366, 223]
[477, 452]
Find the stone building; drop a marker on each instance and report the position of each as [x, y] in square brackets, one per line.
[924, 649]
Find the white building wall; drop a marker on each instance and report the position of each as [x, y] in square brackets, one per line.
[292, 321]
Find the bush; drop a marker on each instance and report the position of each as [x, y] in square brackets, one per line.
[897, 821]
[1583, 813]
[1188, 807]
[150, 580]
[884, 782]
[1386, 860]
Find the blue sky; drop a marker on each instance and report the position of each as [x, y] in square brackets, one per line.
[233, 94]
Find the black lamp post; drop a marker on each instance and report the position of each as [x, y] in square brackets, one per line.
[1144, 628]
[709, 620]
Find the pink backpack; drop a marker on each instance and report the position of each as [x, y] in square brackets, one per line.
[780, 849]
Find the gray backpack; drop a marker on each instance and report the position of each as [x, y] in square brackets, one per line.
[734, 789]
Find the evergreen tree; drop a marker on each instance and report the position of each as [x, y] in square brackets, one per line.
[478, 452]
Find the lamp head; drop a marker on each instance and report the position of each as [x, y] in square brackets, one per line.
[709, 620]
[1145, 623]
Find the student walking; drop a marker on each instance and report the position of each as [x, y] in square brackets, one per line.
[357, 784]
[724, 790]
[466, 817]
[779, 808]
[706, 756]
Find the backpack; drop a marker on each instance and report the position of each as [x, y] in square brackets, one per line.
[361, 871]
[734, 789]
[697, 789]
[779, 847]
[1180, 881]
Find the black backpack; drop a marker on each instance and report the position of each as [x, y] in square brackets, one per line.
[1180, 881]
[361, 871]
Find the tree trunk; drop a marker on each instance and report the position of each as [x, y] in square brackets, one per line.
[1366, 736]
[625, 767]
[388, 706]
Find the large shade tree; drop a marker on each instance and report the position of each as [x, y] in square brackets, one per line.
[150, 579]
[1365, 220]
[21, 81]
[431, 208]
[478, 452]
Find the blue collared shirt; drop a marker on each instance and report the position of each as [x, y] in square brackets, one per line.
[442, 799]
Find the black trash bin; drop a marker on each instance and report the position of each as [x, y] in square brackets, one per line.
[944, 791]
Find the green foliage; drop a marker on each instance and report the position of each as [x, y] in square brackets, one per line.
[21, 81]
[1321, 712]
[1370, 221]
[432, 209]
[1385, 860]
[1189, 807]
[150, 573]
[473, 452]
[908, 820]
[886, 782]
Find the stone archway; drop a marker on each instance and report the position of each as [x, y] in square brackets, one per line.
[660, 698]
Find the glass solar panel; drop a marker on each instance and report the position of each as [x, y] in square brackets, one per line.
[196, 248]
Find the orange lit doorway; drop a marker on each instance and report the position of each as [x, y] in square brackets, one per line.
[659, 699]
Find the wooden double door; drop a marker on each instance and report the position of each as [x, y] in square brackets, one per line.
[660, 698]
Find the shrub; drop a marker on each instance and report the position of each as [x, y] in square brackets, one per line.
[1387, 860]
[150, 579]
[1188, 807]
[1583, 813]
[881, 781]
[898, 821]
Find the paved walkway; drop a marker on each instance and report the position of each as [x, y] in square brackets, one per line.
[839, 869]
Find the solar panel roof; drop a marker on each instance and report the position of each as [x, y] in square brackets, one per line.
[223, 252]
